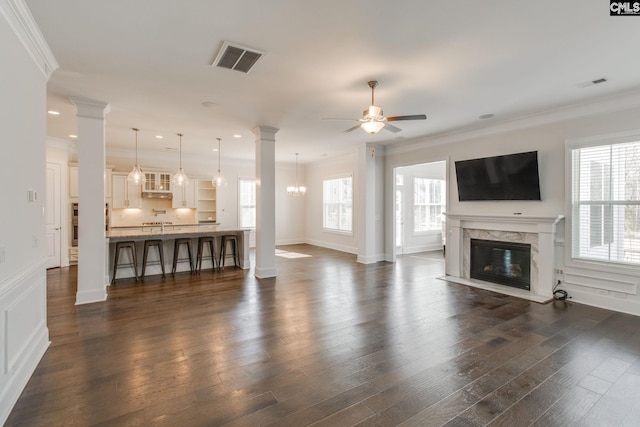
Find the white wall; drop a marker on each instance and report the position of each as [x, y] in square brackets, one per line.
[317, 172]
[548, 137]
[26, 65]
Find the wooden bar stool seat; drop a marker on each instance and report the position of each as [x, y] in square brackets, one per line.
[176, 252]
[149, 244]
[202, 243]
[224, 241]
[131, 245]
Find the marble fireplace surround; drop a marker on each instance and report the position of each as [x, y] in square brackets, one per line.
[538, 231]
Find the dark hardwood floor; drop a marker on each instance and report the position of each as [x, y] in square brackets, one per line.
[329, 342]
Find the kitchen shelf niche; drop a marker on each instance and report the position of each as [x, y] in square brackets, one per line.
[206, 202]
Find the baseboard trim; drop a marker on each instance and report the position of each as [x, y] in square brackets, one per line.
[333, 246]
[265, 273]
[88, 297]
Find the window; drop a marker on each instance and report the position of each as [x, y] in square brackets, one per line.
[337, 196]
[247, 202]
[606, 202]
[428, 204]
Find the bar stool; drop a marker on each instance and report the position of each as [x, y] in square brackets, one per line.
[202, 241]
[176, 250]
[129, 244]
[149, 244]
[233, 239]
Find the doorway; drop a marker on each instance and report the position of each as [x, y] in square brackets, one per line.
[420, 202]
[53, 222]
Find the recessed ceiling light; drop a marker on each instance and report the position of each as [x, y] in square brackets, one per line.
[159, 136]
[53, 112]
[486, 116]
[171, 148]
[237, 135]
[215, 149]
[73, 136]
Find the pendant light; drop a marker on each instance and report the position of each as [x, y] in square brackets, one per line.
[297, 190]
[219, 180]
[136, 176]
[180, 178]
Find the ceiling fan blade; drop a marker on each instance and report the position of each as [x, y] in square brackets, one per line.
[391, 128]
[412, 117]
[337, 118]
[353, 128]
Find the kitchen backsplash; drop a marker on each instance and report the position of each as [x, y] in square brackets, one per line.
[136, 216]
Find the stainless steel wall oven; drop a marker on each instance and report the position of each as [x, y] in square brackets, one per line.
[74, 224]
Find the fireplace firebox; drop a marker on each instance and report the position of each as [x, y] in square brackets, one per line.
[504, 263]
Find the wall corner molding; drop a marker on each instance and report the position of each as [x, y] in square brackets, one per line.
[19, 17]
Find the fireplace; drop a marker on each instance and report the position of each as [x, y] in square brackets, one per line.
[504, 263]
[537, 231]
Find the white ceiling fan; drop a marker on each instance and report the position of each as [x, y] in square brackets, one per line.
[373, 120]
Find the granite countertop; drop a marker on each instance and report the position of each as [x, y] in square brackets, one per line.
[170, 231]
[133, 227]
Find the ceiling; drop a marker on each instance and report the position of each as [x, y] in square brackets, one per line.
[453, 61]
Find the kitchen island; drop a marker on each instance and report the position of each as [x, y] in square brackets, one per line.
[168, 234]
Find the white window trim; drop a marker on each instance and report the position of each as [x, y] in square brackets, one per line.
[240, 178]
[571, 144]
[353, 186]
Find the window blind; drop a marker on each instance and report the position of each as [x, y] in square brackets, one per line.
[606, 203]
[247, 202]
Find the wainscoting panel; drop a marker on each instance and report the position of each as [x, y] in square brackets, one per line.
[601, 280]
[24, 336]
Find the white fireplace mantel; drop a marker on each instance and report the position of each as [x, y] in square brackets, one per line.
[541, 228]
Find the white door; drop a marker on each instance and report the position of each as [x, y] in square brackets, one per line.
[52, 214]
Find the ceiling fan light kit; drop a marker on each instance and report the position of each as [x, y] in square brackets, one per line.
[373, 119]
[372, 126]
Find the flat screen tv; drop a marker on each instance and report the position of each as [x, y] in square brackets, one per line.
[509, 177]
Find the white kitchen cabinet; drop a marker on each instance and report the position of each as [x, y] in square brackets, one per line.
[206, 201]
[73, 182]
[124, 194]
[184, 196]
[107, 184]
[157, 182]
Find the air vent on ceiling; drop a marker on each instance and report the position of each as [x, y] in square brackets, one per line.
[592, 82]
[236, 57]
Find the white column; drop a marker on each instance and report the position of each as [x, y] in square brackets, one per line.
[369, 187]
[91, 163]
[265, 202]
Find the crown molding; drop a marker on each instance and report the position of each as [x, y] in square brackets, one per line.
[594, 106]
[19, 18]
